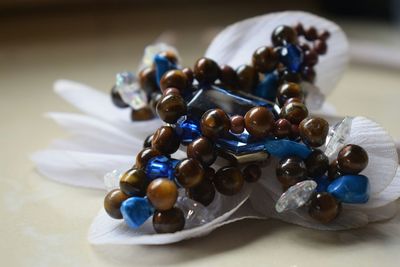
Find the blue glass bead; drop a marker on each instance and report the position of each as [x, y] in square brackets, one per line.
[322, 183]
[187, 131]
[136, 210]
[283, 148]
[162, 66]
[160, 167]
[268, 87]
[350, 189]
[292, 57]
[239, 147]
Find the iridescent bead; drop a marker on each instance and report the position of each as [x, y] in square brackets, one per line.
[203, 150]
[352, 159]
[320, 47]
[168, 221]
[310, 58]
[247, 77]
[117, 99]
[215, 123]
[176, 79]
[283, 35]
[189, 173]
[317, 164]
[136, 211]
[294, 112]
[289, 90]
[259, 122]
[113, 202]
[203, 192]
[291, 171]
[229, 77]
[206, 71]
[171, 107]
[265, 59]
[133, 182]
[333, 171]
[282, 128]
[228, 180]
[237, 124]
[147, 80]
[313, 131]
[144, 156]
[324, 207]
[165, 140]
[147, 141]
[252, 173]
[142, 114]
[162, 193]
[311, 34]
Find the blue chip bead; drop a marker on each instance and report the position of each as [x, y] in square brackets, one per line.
[283, 148]
[136, 210]
[161, 167]
[187, 131]
[322, 184]
[292, 57]
[162, 66]
[350, 189]
[268, 87]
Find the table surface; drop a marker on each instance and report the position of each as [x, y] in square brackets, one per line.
[44, 223]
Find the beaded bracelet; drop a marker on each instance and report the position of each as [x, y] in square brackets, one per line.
[243, 116]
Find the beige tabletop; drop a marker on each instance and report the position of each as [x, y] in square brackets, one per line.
[44, 223]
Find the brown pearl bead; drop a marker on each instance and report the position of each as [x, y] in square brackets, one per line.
[117, 99]
[304, 46]
[171, 91]
[133, 182]
[147, 141]
[320, 47]
[165, 140]
[310, 58]
[247, 78]
[229, 77]
[324, 207]
[162, 193]
[283, 35]
[154, 99]
[259, 122]
[287, 76]
[215, 123]
[147, 80]
[142, 114]
[203, 150]
[189, 74]
[290, 171]
[144, 156]
[333, 171]
[294, 132]
[294, 99]
[203, 192]
[294, 112]
[282, 128]
[168, 221]
[265, 59]
[189, 173]
[308, 74]
[299, 29]
[325, 35]
[289, 90]
[317, 164]
[237, 124]
[313, 131]
[311, 34]
[176, 79]
[206, 71]
[228, 180]
[170, 55]
[171, 107]
[252, 173]
[352, 159]
[113, 201]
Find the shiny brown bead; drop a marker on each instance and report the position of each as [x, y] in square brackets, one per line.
[117, 99]
[299, 29]
[288, 76]
[228, 180]
[237, 124]
[147, 80]
[311, 34]
[170, 55]
[352, 159]
[294, 99]
[282, 128]
[133, 182]
[259, 122]
[320, 47]
[290, 171]
[324, 207]
[265, 59]
[333, 171]
[189, 172]
[154, 99]
[209, 173]
[325, 35]
[313, 131]
[171, 107]
[215, 123]
[283, 35]
[308, 74]
[171, 91]
[289, 90]
[252, 173]
[228, 77]
[113, 201]
[189, 74]
[317, 164]
[247, 78]
[294, 112]
[168, 221]
[142, 114]
[144, 156]
[162, 193]
[310, 58]
[147, 141]
[304, 46]
[294, 132]
[203, 192]
[203, 150]
[206, 71]
[165, 140]
[176, 79]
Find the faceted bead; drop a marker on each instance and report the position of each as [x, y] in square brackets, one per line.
[333, 171]
[194, 212]
[136, 210]
[171, 107]
[147, 141]
[168, 221]
[320, 47]
[308, 74]
[162, 193]
[203, 150]
[204, 192]
[349, 188]
[133, 182]
[206, 71]
[337, 137]
[324, 207]
[189, 74]
[283, 35]
[165, 140]
[313, 131]
[252, 173]
[176, 79]
[289, 90]
[142, 114]
[282, 128]
[237, 124]
[248, 78]
[352, 159]
[294, 112]
[147, 81]
[215, 123]
[113, 202]
[187, 131]
[283, 148]
[310, 58]
[317, 164]
[117, 99]
[265, 59]
[228, 77]
[189, 173]
[296, 196]
[228, 180]
[144, 156]
[290, 171]
[311, 34]
[259, 122]
[160, 166]
[292, 57]
[111, 180]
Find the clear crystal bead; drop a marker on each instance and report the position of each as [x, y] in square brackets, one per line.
[151, 50]
[195, 213]
[314, 98]
[296, 196]
[130, 91]
[337, 137]
[111, 180]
